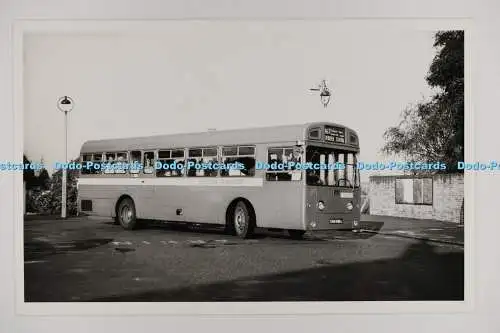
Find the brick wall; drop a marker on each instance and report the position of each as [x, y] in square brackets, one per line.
[448, 194]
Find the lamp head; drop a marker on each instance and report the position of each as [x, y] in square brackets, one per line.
[65, 104]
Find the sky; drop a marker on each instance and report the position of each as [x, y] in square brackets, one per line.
[192, 76]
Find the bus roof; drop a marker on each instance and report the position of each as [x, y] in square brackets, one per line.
[284, 133]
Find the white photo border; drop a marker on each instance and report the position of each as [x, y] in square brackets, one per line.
[23, 27]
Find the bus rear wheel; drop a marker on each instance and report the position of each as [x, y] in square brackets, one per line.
[296, 234]
[243, 222]
[126, 215]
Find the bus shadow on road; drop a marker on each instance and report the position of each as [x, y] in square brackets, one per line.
[419, 274]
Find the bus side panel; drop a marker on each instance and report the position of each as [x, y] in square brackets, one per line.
[200, 204]
[143, 196]
[105, 197]
[102, 197]
[279, 205]
[276, 204]
[174, 203]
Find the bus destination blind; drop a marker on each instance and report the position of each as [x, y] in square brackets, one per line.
[334, 134]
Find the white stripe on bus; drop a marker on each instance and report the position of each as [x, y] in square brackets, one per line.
[174, 181]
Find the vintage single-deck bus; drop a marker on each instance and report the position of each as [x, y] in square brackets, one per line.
[304, 196]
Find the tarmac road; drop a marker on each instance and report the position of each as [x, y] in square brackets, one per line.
[82, 259]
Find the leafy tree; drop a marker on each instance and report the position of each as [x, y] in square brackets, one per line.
[433, 130]
[29, 174]
[44, 179]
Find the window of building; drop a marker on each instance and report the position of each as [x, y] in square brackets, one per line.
[244, 156]
[415, 191]
[172, 163]
[199, 161]
[279, 169]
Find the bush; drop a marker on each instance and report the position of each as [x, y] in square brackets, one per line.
[49, 201]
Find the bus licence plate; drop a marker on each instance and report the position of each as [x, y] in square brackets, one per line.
[336, 221]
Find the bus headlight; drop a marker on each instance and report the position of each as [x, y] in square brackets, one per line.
[321, 205]
[349, 206]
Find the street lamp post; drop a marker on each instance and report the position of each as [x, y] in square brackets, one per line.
[65, 104]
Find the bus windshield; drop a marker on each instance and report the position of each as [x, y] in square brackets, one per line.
[322, 172]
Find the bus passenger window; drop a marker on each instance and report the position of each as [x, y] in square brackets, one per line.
[135, 161]
[178, 158]
[210, 158]
[164, 159]
[280, 167]
[121, 163]
[199, 161]
[97, 160]
[172, 163]
[244, 156]
[109, 162]
[149, 162]
[86, 158]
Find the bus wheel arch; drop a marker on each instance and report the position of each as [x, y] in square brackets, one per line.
[125, 203]
[246, 212]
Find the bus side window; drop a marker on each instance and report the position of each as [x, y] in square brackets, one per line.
[164, 159]
[97, 160]
[275, 172]
[121, 162]
[202, 157]
[109, 162]
[194, 156]
[135, 161]
[86, 158]
[244, 155]
[178, 158]
[172, 163]
[210, 157]
[149, 161]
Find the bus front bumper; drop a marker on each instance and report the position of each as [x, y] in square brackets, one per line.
[333, 221]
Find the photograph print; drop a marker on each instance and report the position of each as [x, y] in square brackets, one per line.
[244, 161]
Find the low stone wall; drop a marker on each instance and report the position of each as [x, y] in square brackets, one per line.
[447, 198]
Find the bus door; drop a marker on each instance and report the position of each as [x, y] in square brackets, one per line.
[284, 185]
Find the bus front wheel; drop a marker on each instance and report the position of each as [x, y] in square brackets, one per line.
[126, 214]
[243, 221]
